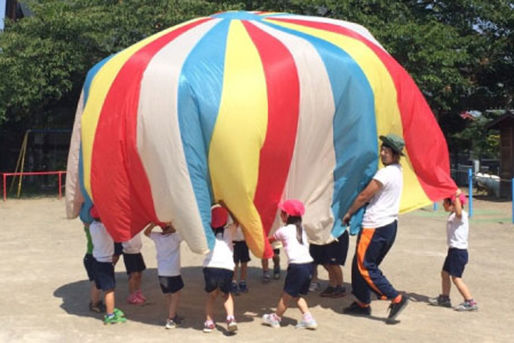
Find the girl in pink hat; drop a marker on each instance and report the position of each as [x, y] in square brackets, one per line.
[300, 267]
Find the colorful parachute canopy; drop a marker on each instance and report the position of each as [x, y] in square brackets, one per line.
[248, 108]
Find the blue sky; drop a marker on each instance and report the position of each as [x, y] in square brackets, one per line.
[2, 14]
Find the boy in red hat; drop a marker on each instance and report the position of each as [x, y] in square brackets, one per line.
[218, 268]
[300, 268]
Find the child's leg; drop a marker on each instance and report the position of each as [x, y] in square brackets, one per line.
[461, 286]
[337, 272]
[276, 260]
[236, 267]
[173, 300]
[331, 276]
[94, 294]
[265, 264]
[229, 304]
[302, 305]
[244, 270]
[209, 305]
[134, 281]
[445, 283]
[283, 304]
[109, 301]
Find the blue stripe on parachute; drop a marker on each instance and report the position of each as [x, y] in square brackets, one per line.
[199, 96]
[354, 127]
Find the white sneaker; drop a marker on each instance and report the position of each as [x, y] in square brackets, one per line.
[272, 320]
[310, 324]
[170, 324]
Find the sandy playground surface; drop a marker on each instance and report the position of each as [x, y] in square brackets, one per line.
[45, 288]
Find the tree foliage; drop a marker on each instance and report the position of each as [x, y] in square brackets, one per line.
[459, 52]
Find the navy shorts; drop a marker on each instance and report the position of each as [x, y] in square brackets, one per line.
[88, 264]
[217, 278]
[455, 261]
[241, 253]
[333, 253]
[171, 284]
[134, 262]
[298, 279]
[104, 275]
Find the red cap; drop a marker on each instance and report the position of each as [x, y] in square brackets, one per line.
[219, 216]
[292, 207]
[94, 212]
[462, 199]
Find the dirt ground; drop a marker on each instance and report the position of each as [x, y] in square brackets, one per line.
[46, 289]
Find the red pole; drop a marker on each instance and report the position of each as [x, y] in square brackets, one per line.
[5, 193]
[60, 183]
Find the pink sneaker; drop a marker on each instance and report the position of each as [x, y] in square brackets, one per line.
[140, 295]
[133, 299]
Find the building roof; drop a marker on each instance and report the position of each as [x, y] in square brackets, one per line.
[505, 120]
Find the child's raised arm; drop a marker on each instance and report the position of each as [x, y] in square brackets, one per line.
[149, 228]
[457, 206]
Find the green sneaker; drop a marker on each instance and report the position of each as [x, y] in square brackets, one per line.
[118, 312]
[114, 319]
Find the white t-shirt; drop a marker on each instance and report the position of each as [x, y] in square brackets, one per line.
[238, 235]
[457, 231]
[168, 253]
[222, 254]
[133, 246]
[296, 252]
[103, 244]
[384, 206]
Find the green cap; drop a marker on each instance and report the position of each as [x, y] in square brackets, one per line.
[394, 142]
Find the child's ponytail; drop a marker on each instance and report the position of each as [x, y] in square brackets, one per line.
[297, 221]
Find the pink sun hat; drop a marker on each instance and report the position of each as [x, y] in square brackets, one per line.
[292, 207]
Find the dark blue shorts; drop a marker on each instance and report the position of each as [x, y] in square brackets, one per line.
[298, 279]
[88, 264]
[104, 275]
[134, 263]
[333, 253]
[455, 261]
[217, 278]
[241, 253]
[171, 284]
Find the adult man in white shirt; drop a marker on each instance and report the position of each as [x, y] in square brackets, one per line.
[378, 232]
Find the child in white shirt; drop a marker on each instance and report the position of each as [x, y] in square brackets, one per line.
[167, 244]
[219, 268]
[300, 266]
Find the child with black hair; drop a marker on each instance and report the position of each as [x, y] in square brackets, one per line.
[457, 228]
[300, 266]
[218, 268]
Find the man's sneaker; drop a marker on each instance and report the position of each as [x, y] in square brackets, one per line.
[356, 310]
[266, 277]
[99, 307]
[234, 289]
[231, 325]
[208, 326]
[113, 319]
[468, 305]
[133, 299]
[307, 324]
[314, 286]
[243, 288]
[271, 319]
[170, 324]
[328, 292]
[339, 292]
[276, 272]
[395, 309]
[441, 300]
